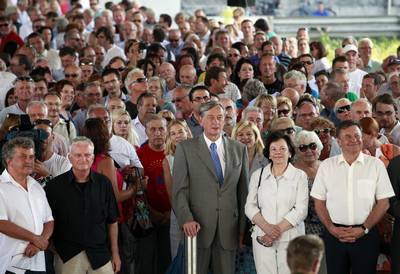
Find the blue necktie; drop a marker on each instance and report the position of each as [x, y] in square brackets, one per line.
[217, 163]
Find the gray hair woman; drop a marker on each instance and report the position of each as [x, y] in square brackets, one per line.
[308, 150]
[252, 89]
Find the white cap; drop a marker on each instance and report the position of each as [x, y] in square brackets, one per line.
[350, 47]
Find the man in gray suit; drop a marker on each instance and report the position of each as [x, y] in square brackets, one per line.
[209, 191]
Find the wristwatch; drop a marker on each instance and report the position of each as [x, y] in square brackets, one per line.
[366, 230]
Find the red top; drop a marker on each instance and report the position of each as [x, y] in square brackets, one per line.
[12, 36]
[120, 181]
[157, 194]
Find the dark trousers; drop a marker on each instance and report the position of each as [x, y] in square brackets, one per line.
[153, 254]
[359, 257]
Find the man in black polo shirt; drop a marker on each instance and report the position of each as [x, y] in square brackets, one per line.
[85, 214]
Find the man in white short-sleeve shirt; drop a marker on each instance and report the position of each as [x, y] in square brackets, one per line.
[351, 194]
[26, 221]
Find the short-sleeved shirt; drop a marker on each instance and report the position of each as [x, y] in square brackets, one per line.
[28, 209]
[81, 216]
[351, 191]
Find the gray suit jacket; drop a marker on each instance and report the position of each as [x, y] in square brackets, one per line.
[197, 195]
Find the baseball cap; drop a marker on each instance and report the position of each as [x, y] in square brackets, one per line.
[350, 47]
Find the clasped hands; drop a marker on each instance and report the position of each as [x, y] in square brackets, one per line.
[346, 234]
[272, 233]
[37, 243]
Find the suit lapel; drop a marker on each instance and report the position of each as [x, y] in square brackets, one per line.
[205, 156]
[228, 164]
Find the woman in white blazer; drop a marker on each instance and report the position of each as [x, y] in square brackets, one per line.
[277, 205]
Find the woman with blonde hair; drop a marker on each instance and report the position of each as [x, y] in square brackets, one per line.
[177, 131]
[268, 104]
[122, 126]
[248, 134]
[284, 107]
[343, 109]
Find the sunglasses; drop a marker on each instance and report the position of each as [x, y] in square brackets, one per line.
[73, 75]
[283, 111]
[311, 146]
[174, 40]
[287, 131]
[139, 80]
[23, 79]
[233, 55]
[343, 109]
[308, 62]
[324, 130]
[3, 25]
[121, 69]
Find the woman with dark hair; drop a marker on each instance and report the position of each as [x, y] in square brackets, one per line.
[244, 69]
[318, 51]
[148, 67]
[96, 130]
[132, 52]
[277, 204]
[11, 98]
[66, 91]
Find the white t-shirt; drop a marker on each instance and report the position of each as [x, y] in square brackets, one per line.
[57, 165]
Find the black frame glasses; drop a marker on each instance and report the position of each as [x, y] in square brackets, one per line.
[343, 109]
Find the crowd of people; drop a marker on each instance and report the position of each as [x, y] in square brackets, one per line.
[122, 134]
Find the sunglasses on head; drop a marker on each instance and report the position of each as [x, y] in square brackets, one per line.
[23, 78]
[287, 131]
[343, 109]
[311, 146]
[325, 131]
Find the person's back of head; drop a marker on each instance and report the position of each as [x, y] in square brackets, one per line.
[304, 254]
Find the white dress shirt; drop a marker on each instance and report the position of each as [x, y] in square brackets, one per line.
[123, 152]
[27, 209]
[220, 150]
[57, 164]
[285, 197]
[140, 129]
[350, 192]
[394, 133]
[14, 109]
[356, 79]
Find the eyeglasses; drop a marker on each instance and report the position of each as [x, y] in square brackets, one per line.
[343, 109]
[199, 99]
[46, 122]
[324, 131]
[3, 25]
[283, 111]
[287, 131]
[233, 55]
[137, 21]
[73, 75]
[178, 99]
[121, 69]
[139, 80]
[174, 40]
[311, 146]
[308, 62]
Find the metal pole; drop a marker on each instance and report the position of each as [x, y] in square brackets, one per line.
[191, 251]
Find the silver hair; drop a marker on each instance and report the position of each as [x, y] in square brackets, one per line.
[95, 107]
[306, 137]
[82, 139]
[38, 103]
[297, 75]
[209, 105]
[252, 109]
[128, 79]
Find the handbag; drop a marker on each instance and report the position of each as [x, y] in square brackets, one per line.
[140, 224]
[248, 227]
